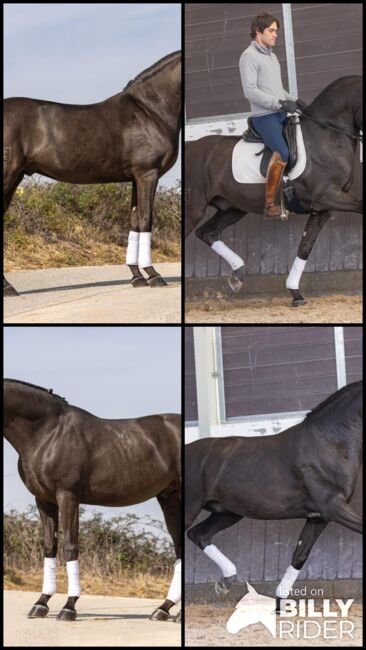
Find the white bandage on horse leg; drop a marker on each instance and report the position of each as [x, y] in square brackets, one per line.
[73, 578]
[231, 258]
[295, 274]
[226, 566]
[49, 576]
[145, 250]
[287, 581]
[175, 589]
[132, 256]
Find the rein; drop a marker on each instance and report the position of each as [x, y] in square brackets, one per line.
[330, 128]
[324, 126]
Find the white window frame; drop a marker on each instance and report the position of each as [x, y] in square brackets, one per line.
[212, 419]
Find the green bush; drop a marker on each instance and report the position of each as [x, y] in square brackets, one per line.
[107, 546]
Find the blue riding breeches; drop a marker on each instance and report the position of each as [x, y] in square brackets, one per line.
[270, 127]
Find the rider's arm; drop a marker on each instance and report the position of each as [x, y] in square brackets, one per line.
[249, 80]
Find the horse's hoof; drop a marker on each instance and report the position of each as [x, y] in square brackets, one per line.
[178, 618]
[157, 281]
[297, 299]
[299, 302]
[278, 606]
[221, 588]
[234, 283]
[8, 290]
[236, 279]
[139, 281]
[159, 615]
[66, 615]
[38, 611]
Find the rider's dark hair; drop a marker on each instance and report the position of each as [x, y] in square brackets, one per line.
[261, 22]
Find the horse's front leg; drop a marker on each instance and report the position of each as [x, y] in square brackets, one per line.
[49, 517]
[132, 256]
[309, 534]
[312, 229]
[146, 189]
[69, 511]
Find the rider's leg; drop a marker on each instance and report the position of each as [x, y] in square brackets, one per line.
[270, 127]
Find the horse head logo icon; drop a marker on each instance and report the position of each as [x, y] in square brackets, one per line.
[253, 608]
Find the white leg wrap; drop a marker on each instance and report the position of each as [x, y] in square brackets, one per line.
[145, 250]
[132, 256]
[295, 274]
[287, 581]
[73, 578]
[226, 566]
[231, 258]
[49, 576]
[175, 589]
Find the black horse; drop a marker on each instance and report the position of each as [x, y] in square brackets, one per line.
[68, 456]
[330, 143]
[132, 136]
[308, 471]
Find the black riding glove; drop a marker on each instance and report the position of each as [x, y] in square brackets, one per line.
[289, 105]
[301, 104]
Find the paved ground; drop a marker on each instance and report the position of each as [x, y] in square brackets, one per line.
[102, 621]
[100, 294]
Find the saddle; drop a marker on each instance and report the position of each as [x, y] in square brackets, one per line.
[289, 132]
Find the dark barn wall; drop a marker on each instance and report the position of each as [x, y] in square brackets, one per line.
[215, 36]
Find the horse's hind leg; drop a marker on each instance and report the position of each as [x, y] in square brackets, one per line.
[69, 512]
[49, 517]
[210, 232]
[170, 503]
[308, 536]
[12, 178]
[201, 535]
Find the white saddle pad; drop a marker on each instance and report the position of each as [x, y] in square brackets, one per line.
[246, 165]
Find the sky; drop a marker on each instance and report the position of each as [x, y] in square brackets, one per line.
[112, 372]
[85, 53]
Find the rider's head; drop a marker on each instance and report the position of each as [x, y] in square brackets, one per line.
[264, 30]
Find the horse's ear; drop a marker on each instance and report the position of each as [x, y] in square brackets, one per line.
[251, 589]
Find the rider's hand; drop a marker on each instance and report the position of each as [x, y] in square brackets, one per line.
[289, 105]
[301, 104]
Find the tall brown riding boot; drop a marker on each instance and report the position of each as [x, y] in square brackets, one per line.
[275, 171]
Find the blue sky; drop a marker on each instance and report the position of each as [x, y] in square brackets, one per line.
[84, 53]
[113, 372]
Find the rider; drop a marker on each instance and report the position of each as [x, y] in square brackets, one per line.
[262, 85]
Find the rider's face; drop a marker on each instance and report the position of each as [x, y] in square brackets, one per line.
[269, 36]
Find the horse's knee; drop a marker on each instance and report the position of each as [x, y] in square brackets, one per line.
[207, 235]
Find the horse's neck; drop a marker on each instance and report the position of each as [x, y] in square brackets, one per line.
[323, 108]
[162, 96]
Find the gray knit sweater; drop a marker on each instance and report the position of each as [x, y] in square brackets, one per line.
[261, 80]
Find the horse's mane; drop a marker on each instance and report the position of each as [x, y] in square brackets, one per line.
[153, 69]
[334, 397]
[46, 390]
[339, 86]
